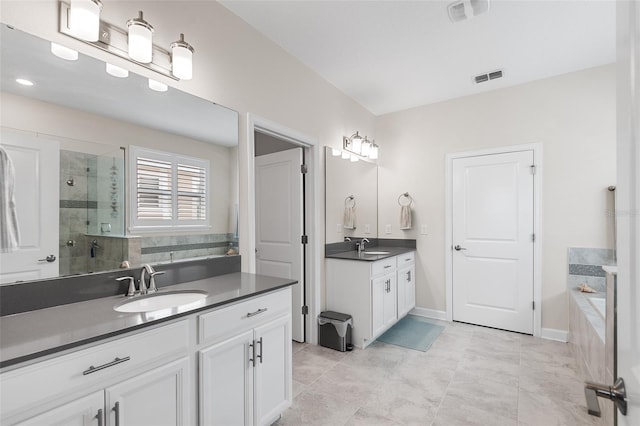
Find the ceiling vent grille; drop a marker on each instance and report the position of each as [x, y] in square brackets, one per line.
[466, 9]
[488, 76]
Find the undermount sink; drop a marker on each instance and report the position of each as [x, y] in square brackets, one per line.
[164, 300]
[372, 253]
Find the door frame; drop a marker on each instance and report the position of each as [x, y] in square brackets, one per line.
[313, 203]
[537, 228]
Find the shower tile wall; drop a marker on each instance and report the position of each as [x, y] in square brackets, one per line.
[82, 211]
[585, 266]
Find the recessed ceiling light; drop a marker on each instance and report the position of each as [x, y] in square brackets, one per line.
[64, 52]
[157, 86]
[24, 82]
[117, 71]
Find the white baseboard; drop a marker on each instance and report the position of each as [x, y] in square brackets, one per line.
[429, 313]
[553, 334]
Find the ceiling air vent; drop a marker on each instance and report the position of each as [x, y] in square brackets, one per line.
[488, 76]
[465, 9]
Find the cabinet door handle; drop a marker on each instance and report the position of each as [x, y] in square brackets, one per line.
[116, 361]
[260, 356]
[409, 276]
[116, 410]
[387, 266]
[99, 417]
[258, 312]
[252, 348]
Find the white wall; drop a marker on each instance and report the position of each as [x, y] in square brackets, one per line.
[234, 65]
[572, 115]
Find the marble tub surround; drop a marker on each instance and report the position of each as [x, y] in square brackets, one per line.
[585, 266]
[41, 294]
[471, 375]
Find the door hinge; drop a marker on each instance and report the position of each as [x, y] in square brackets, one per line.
[303, 168]
[305, 239]
[305, 310]
[533, 238]
[533, 169]
[533, 305]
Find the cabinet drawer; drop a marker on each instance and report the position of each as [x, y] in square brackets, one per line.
[242, 316]
[47, 380]
[406, 259]
[383, 266]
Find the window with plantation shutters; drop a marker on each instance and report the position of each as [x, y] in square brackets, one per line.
[171, 191]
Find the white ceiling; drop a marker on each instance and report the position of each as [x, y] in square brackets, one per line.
[394, 55]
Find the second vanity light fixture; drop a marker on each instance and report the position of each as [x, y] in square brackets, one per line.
[358, 145]
[80, 19]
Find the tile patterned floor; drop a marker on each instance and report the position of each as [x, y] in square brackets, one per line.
[470, 376]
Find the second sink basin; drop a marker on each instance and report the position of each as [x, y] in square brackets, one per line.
[376, 252]
[164, 300]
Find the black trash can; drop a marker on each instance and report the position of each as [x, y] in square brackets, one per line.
[335, 331]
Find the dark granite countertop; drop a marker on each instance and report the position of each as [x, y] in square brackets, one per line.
[353, 254]
[29, 335]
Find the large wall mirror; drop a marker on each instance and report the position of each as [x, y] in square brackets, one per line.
[75, 123]
[351, 197]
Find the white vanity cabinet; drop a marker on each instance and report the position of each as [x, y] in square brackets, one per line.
[406, 283]
[376, 294]
[137, 380]
[245, 364]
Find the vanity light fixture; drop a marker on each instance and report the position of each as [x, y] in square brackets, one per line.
[182, 59]
[157, 86]
[373, 152]
[366, 147]
[140, 39]
[135, 43]
[358, 145]
[84, 19]
[116, 71]
[64, 52]
[335, 152]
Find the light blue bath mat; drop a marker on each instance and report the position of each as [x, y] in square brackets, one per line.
[413, 333]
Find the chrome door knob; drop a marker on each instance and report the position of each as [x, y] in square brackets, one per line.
[50, 258]
[458, 248]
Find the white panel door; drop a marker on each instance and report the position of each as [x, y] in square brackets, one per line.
[159, 397]
[628, 208]
[492, 209]
[36, 163]
[85, 411]
[279, 225]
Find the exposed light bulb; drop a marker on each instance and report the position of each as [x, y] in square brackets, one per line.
[64, 52]
[116, 71]
[84, 19]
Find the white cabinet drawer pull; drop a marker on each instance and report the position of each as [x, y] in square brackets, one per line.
[116, 361]
[258, 312]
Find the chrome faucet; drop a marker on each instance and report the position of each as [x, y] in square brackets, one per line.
[361, 245]
[148, 270]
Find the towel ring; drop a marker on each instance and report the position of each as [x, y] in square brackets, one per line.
[407, 197]
[352, 199]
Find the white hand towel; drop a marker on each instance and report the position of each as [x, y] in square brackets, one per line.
[349, 217]
[405, 217]
[9, 233]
